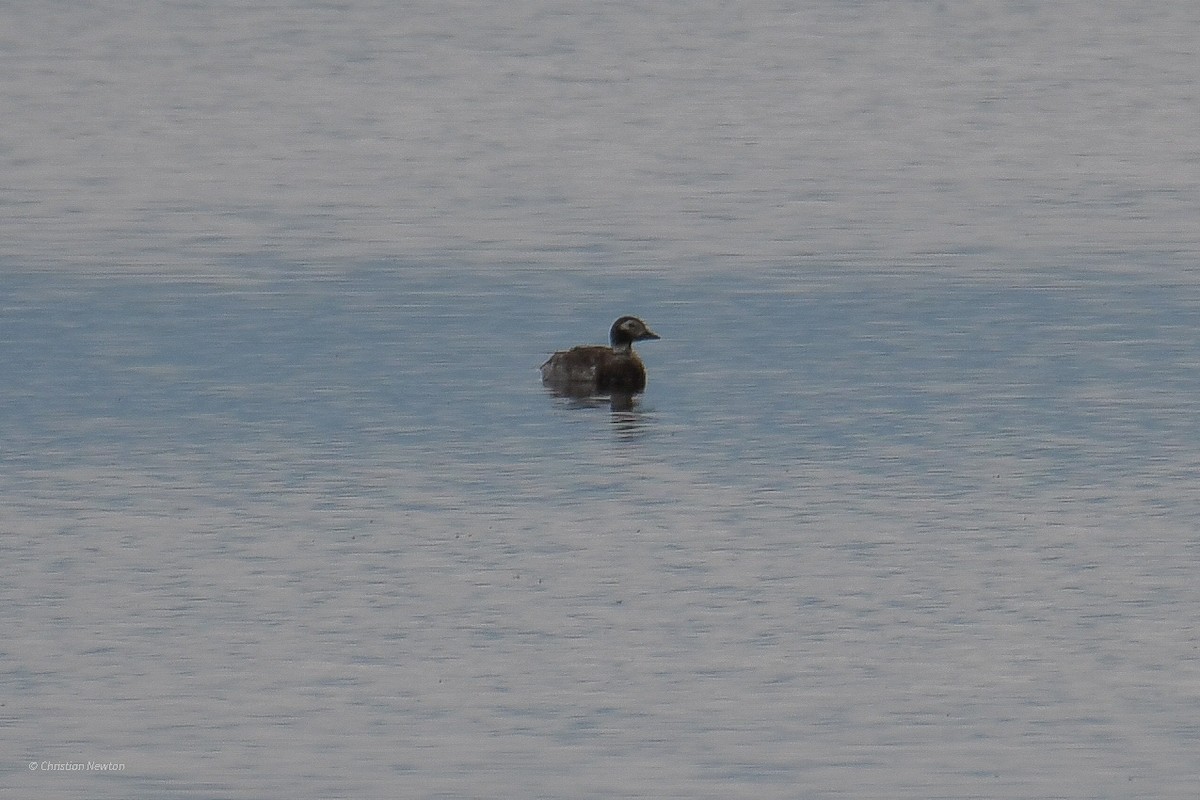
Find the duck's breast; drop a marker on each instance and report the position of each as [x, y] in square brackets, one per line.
[621, 374]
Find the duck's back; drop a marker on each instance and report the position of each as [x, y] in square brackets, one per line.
[597, 368]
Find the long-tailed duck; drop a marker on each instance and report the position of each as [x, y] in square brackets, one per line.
[595, 369]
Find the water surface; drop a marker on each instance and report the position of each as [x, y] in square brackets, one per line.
[908, 508]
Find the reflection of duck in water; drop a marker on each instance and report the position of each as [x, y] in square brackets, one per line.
[595, 369]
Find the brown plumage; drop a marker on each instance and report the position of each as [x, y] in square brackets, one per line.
[595, 369]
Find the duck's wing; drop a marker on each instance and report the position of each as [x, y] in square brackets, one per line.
[579, 365]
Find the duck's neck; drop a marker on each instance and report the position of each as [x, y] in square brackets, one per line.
[622, 348]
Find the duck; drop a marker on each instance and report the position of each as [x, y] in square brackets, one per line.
[596, 369]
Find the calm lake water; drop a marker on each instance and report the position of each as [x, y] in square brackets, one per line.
[909, 508]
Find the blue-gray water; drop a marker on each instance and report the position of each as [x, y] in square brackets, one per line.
[908, 510]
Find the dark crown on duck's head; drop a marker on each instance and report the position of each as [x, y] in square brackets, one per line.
[628, 330]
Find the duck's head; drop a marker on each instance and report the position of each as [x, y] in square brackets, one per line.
[628, 330]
